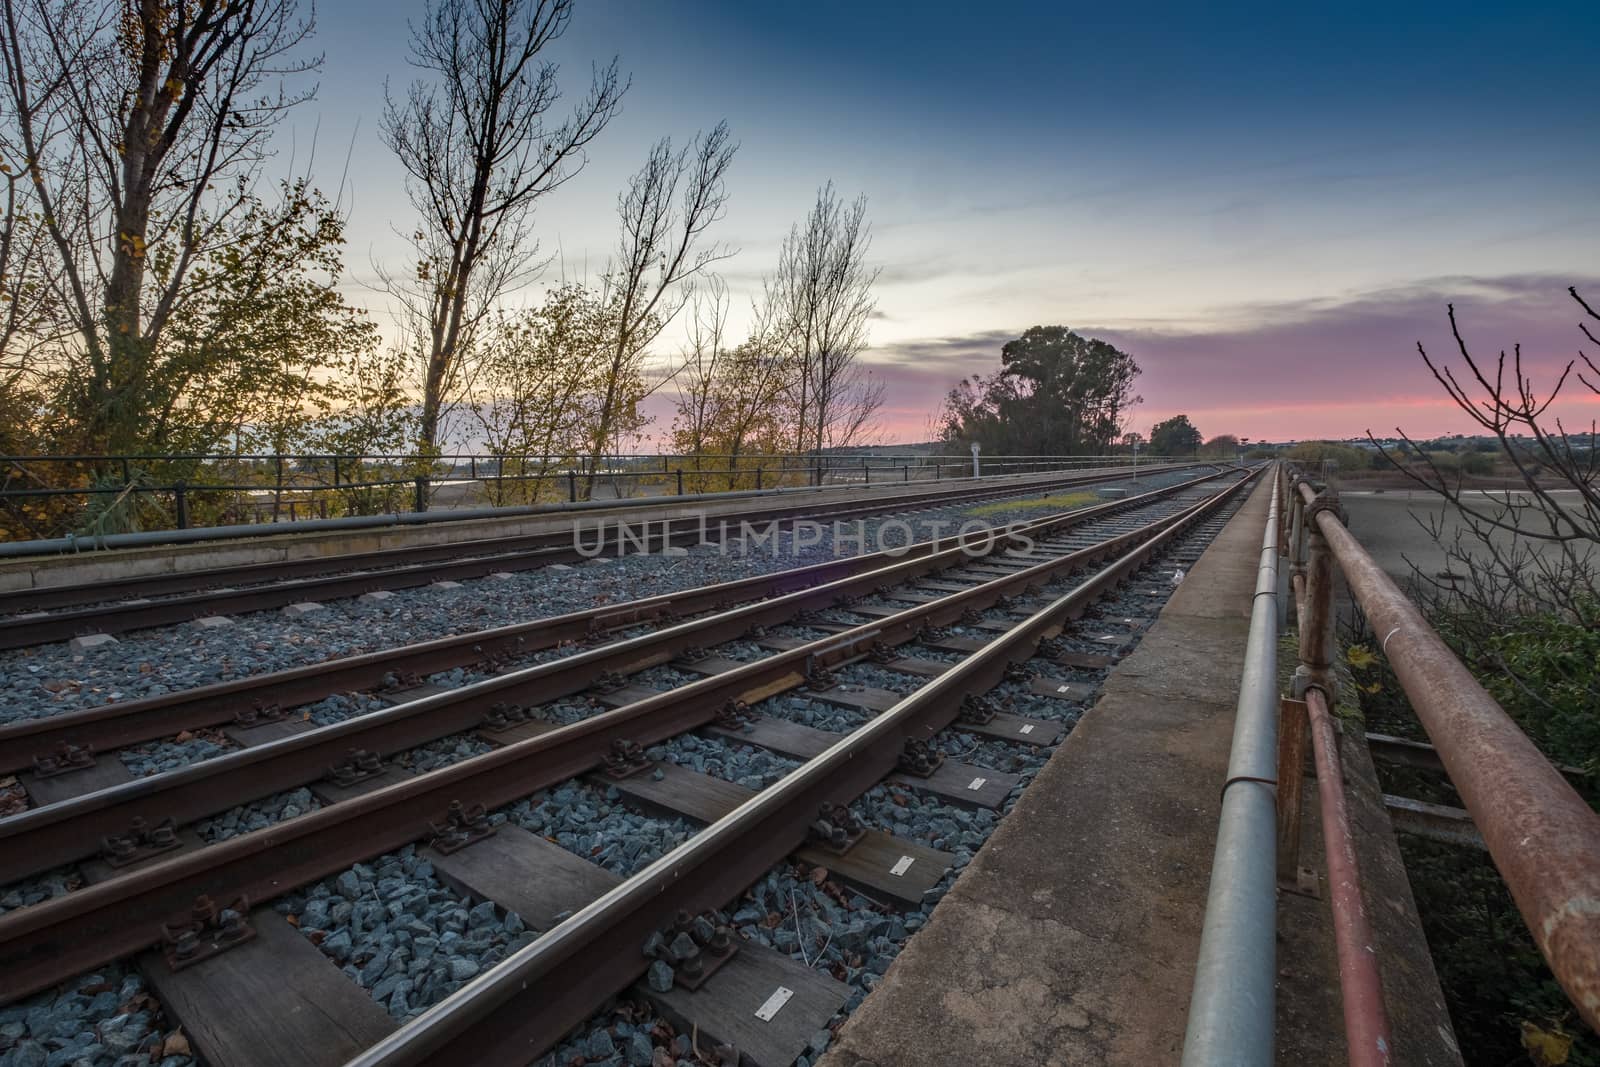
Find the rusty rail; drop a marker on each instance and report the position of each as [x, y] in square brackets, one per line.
[528, 1000]
[1544, 839]
[46, 943]
[112, 726]
[1366, 1021]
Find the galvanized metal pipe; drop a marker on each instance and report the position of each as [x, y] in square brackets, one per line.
[1231, 1013]
[1543, 838]
[1366, 1023]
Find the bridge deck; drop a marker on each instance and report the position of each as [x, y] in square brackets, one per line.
[1072, 937]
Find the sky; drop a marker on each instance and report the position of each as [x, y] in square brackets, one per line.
[1268, 206]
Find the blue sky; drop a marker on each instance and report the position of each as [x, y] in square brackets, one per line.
[1268, 207]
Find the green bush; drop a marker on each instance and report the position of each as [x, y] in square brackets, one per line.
[1545, 672]
[1446, 462]
[1310, 454]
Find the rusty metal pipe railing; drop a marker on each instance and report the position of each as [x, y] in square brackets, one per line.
[1232, 1010]
[1366, 1023]
[1543, 838]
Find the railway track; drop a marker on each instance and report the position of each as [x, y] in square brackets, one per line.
[259, 707]
[59, 612]
[542, 738]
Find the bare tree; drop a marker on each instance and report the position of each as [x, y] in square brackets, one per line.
[29, 319]
[479, 155]
[1536, 547]
[821, 298]
[665, 211]
[141, 126]
[702, 369]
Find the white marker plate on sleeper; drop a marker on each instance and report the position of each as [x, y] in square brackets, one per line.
[774, 1004]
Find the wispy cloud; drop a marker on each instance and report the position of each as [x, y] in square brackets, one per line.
[1331, 366]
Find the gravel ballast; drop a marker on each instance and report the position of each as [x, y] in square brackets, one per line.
[50, 679]
[410, 940]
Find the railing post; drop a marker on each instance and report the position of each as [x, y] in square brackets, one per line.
[1292, 726]
[758, 477]
[422, 493]
[680, 480]
[572, 486]
[277, 493]
[180, 501]
[1317, 621]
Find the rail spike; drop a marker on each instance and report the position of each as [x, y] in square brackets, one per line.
[259, 714]
[693, 946]
[1020, 672]
[462, 826]
[919, 758]
[1050, 648]
[66, 758]
[626, 759]
[357, 766]
[819, 678]
[503, 717]
[734, 714]
[609, 681]
[976, 710]
[836, 828]
[209, 931]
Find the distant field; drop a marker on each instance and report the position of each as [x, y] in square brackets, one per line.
[1391, 525]
[1394, 479]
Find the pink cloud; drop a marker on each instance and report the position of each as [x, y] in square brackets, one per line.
[1333, 368]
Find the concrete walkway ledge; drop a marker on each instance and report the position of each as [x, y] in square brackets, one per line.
[1072, 936]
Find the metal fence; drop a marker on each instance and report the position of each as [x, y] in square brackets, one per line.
[180, 491]
[1542, 836]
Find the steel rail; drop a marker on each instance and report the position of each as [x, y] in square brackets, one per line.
[22, 631]
[528, 1001]
[503, 552]
[39, 839]
[1231, 1011]
[1544, 839]
[45, 943]
[111, 726]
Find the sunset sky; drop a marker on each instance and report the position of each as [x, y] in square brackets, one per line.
[1267, 207]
